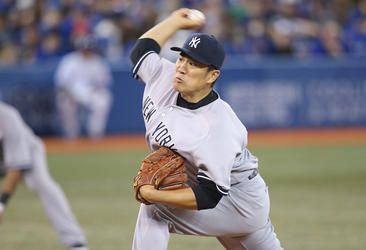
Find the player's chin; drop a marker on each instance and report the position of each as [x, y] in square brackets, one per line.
[178, 85]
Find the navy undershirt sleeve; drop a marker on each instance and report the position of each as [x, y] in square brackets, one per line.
[141, 47]
[207, 194]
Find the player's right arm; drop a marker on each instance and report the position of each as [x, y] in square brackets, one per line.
[17, 157]
[12, 178]
[154, 39]
[65, 71]
[168, 27]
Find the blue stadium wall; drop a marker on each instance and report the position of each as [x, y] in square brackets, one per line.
[264, 92]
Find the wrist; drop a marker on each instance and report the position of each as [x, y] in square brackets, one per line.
[146, 192]
[4, 198]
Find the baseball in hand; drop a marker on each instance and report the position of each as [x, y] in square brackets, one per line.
[196, 15]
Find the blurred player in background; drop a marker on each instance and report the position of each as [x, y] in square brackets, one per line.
[82, 83]
[23, 156]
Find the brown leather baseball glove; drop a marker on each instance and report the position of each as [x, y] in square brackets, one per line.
[164, 169]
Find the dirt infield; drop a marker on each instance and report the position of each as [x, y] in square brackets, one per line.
[295, 137]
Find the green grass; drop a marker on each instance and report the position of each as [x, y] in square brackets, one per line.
[318, 200]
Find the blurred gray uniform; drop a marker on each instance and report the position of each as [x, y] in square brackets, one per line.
[213, 141]
[83, 84]
[22, 150]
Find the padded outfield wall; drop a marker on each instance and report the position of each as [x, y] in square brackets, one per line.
[265, 93]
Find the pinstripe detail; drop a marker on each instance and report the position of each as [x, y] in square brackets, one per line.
[222, 190]
[139, 62]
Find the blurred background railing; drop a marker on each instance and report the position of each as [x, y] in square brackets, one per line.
[265, 92]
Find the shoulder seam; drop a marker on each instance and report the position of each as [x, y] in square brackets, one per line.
[139, 62]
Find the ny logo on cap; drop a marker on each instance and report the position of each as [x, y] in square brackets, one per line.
[194, 42]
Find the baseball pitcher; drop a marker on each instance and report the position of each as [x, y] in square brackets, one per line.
[225, 196]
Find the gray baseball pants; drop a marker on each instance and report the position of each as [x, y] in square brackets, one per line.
[239, 221]
[52, 198]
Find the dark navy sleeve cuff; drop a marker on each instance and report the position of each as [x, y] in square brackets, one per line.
[143, 46]
[207, 194]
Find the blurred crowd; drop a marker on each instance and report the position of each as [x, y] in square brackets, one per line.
[40, 30]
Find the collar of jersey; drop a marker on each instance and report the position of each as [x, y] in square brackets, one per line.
[212, 96]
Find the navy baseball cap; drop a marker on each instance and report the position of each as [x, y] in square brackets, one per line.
[204, 49]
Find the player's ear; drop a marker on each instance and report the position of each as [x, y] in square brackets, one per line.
[213, 75]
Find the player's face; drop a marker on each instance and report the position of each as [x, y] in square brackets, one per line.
[192, 79]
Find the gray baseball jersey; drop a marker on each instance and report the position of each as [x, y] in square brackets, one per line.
[213, 141]
[83, 82]
[211, 138]
[23, 150]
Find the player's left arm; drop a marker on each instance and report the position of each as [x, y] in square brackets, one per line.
[199, 197]
[182, 198]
